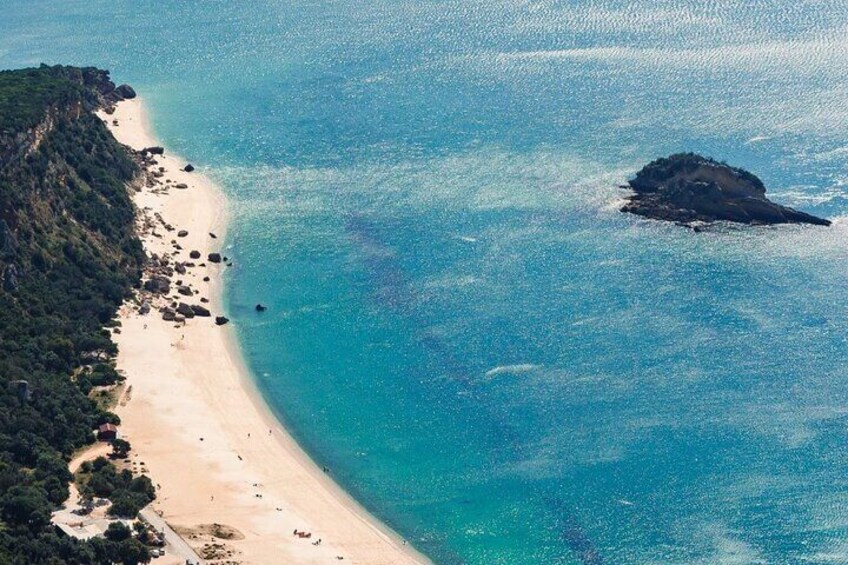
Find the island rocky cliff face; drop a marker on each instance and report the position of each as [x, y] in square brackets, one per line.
[689, 189]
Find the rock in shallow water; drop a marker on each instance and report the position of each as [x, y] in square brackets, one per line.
[689, 189]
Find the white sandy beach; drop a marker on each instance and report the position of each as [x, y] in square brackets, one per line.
[198, 426]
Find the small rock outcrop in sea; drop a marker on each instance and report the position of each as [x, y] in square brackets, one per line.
[188, 168]
[260, 308]
[689, 189]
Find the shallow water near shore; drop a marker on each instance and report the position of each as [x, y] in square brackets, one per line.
[460, 323]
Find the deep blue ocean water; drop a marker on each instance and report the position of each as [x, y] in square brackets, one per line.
[461, 325]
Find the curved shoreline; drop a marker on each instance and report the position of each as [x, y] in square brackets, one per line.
[188, 383]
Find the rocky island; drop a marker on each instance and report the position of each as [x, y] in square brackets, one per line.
[690, 189]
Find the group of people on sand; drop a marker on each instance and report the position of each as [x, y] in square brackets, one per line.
[306, 535]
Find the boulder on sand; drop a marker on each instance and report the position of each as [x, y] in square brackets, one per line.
[194, 254]
[214, 257]
[188, 168]
[185, 310]
[182, 233]
[221, 320]
[200, 311]
[184, 290]
[157, 284]
[154, 150]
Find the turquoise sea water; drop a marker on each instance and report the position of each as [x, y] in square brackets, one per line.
[461, 325]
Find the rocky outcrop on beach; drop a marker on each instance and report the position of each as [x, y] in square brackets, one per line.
[201, 311]
[185, 310]
[144, 309]
[690, 189]
[157, 284]
[125, 91]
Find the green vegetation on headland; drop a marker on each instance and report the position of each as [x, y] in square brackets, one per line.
[69, 256]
